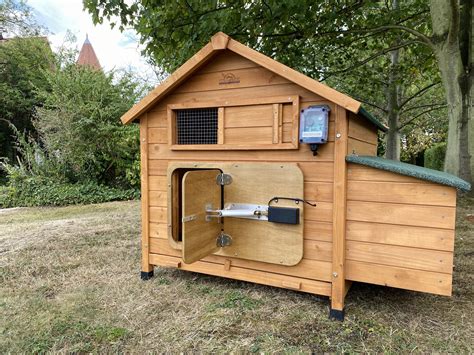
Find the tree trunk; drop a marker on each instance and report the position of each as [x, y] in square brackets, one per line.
[392, 149]
[455, 74]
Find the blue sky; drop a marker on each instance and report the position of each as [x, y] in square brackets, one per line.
[113, 48]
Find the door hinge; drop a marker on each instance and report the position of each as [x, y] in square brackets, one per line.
[192, 217]
[223, 240]
[223, 179]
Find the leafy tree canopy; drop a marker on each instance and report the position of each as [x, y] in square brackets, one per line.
[345, 43]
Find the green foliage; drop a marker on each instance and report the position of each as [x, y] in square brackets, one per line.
[38, 191]
[16, 19]
[346, 44]
[73, 147]
[79, 123]
[39, 179]
[434, 156]
[25, 62]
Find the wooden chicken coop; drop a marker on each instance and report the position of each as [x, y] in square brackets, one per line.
[253, 171]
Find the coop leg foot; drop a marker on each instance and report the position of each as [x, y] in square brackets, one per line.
[146, 275]
[336, 314]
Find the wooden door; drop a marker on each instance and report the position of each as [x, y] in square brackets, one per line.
[257, 183]
[200, 191]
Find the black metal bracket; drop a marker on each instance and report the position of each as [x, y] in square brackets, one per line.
[314, 148]
[146, 275]
[336, 314]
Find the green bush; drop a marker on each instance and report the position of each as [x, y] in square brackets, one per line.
[34, 191]
[434, 156]
[39, 179]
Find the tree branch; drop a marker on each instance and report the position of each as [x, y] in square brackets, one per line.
[423, 38]
[424, 106]
[368, 59]
[420, 114]
[369, 103]
[419, 92]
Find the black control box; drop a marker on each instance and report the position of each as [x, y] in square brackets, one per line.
[285, 215]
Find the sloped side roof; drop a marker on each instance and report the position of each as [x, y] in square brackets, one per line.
[415, 171]
[220, 41]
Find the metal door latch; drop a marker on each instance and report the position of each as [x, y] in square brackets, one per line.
[240, 210]
[223, 240]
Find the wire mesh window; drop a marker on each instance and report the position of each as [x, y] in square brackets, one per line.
[196, 126]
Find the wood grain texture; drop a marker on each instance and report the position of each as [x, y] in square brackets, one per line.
[244, 274]
[249, 136]
[318, 230]
[158, 198]
[220, 125]
[408, 236]
[317, 250]
[306, 268]
[259, 95]
[361, 129]
[355, 146]
[158, 214]
[157, 167]
[400, 256]
[339, 210]
[255, 153]
[357, 172]
[416, 280]
[257, 240]
[157, 135]
[320, 171]
[407, 193]
[318, 191]
[159, 230]
[402, 214]
[144, 179]
[244, 78]
[157, 183]
[249, 116]
[227, 61]
[323, 212]
[199, 235]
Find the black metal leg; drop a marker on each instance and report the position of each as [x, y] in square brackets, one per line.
[336, 314]
[146, 275]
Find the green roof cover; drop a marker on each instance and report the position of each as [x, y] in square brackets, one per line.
[366, 114]
[410, 170]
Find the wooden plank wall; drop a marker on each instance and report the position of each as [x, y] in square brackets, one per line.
[315, 268]
[362, 136]
[400, 231]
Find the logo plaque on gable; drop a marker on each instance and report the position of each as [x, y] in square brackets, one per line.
[229, 78]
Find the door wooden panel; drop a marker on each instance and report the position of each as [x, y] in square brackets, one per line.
[257, 183]
[199, 236]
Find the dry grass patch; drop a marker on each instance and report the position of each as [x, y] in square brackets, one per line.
[69, 282]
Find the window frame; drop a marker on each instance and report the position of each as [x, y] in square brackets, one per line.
[277, 102]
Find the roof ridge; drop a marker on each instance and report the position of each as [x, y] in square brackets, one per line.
[221, 41]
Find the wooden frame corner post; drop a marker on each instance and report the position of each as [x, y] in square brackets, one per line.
[338, 290]
[146, 267]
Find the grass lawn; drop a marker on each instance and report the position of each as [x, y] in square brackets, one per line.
[69, 282]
